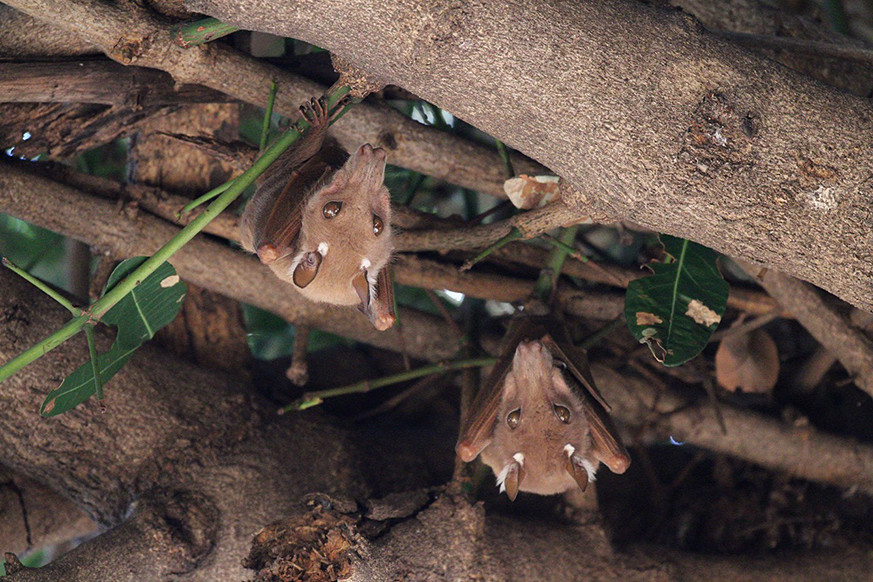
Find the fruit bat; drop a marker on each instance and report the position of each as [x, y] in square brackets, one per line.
[321, 220]
[539, 421]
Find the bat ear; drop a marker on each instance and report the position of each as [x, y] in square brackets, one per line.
[510, 479]
[577, 471]
[307, 269]
[469, 449]
[361, 284]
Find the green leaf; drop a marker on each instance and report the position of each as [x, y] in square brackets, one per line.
[79, 386]
[151, 305]
[676, 309]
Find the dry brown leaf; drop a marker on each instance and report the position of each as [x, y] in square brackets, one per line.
[747, 361]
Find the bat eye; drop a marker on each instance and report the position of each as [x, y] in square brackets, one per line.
[561, 364]
[563, 413]
[378, 225]
[512, 418]
[331, 209]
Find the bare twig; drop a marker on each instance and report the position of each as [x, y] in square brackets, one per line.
[815, 48]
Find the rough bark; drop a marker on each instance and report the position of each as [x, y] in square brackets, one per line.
[25, 36]
[656, 121]
[762, 18]
[136, 37]
[33, 516]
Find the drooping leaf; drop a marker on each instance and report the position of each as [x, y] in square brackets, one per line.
[79, 386]
[676, 309]
[151, 305]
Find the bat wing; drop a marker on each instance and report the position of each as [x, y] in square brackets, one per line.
[604, 435]
[285, 216]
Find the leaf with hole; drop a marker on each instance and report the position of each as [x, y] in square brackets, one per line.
[151, 305]
[676, 309]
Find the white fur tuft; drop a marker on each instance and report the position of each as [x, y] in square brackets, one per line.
[322, 249]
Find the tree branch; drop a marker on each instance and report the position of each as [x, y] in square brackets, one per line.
[135, 37]
[658, 122]
[852, 348]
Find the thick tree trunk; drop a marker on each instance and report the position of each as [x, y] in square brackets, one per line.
[650, 117]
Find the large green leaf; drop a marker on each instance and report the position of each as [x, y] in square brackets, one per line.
[152, 304]
[676, 309]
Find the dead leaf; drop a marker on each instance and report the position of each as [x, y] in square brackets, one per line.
[702, 314]
[645, 318]
[528, 192]
[748, 361]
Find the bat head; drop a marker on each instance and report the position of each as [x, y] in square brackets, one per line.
[541, 441]
[345, 235]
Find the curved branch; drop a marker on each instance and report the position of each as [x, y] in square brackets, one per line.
[656, 121]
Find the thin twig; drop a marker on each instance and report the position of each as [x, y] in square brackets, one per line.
[746, 327]
[311, 399]
[807, 47]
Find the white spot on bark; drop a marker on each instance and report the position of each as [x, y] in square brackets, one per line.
[823, 199]
[702, 314]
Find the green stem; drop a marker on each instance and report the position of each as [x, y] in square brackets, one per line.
[186, 210]
[95, 366]
[604, 331]
[504, 156]
[514, 234]
[311, 399]
[571, 251]
[42, 287]
[200, 32]
[105, 303]
[554, 264]
[268, 114]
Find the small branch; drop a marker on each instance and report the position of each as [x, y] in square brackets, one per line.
[200, 32]
[530, 224]
[311, 399]
[822, 321]
[815, 48]
[746, 327]
[508, 170]
[298, 372]
[60, 299]
[268, 115]
[513, 234]
[547, 283]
